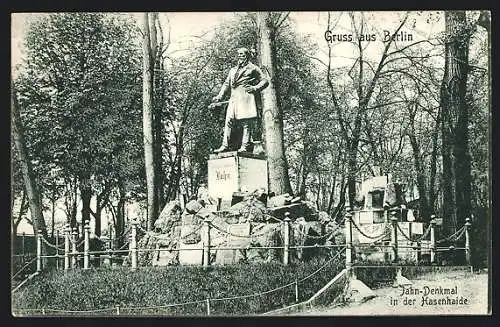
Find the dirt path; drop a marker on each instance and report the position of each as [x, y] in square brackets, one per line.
[418, 300]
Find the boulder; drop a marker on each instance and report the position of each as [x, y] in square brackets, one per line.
[193, 254]
[190, 234]
[166, 254]
[217, 231]
[190, 219]
[307, 233]
[148, 241]
[193, 206]
[169, 217]
[301, 209]
[338, 236]
[204, 213]
[169, 209]
[230, 256]
[261, 195]
[279, 200]
[265, 235]
[166, 258]
[250, 209]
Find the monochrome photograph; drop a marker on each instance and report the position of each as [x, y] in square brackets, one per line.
[215, 164]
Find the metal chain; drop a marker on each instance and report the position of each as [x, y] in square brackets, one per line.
[266, 232]
[192, 232]
[123, 246]
[424, 235]
[326, 236]
[24, 267]
[280, 221]
[403, 233]
[244, 236]
[453, 236]
[337, 255]
[416, 239]
[369, 236]
[77, 244]
[51, 245]
[272, 217]
[201, 301]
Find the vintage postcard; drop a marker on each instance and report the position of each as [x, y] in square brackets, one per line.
[251, 163]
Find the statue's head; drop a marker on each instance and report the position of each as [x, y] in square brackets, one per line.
[243, 55]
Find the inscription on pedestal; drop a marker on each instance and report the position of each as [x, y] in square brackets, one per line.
[231, 172]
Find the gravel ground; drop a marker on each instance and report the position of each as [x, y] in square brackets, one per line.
[473, 287]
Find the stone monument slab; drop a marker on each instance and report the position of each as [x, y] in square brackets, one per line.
[233, 256]
[230, 172]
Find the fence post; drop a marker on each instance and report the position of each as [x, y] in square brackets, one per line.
[107, 259]
[67, 232]
[286, 249]
[296, 290]
[112, 244]
[467, 240]
[39, 251]
[433, 239]
[57, 249]
[419, 251]
[208, 306]
[23, 246]
[133, 244]
[86, 245]
[394, 236]
[348, 241]
[206, 244]
[73, 245]
[118, 310]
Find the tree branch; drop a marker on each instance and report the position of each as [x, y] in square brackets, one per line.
[281, 19]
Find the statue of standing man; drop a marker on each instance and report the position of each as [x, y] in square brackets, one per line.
[245, 81]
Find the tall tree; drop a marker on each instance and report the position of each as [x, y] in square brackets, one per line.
[30, 184]
[279, 181]
[365, 78]
[147, 121]
[455, 118]
[78, 92]
[159, 46]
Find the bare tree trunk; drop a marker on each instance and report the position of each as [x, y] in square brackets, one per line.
[120, 212]
[158, 99]
[176, 166]
[279, 181]
[455, 119]
[147, 120]
[424, 211]
[352, 160]
[331, 197]
[53, 212]
[74, 206]
[304, 171]
[86, 195]
[27, 171]
[22, 211]
[337, 212]
[433, 168]
[335, 170]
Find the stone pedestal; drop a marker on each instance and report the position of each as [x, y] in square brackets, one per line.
[230, 172]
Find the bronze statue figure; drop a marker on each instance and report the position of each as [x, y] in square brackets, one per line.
[245, 81]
